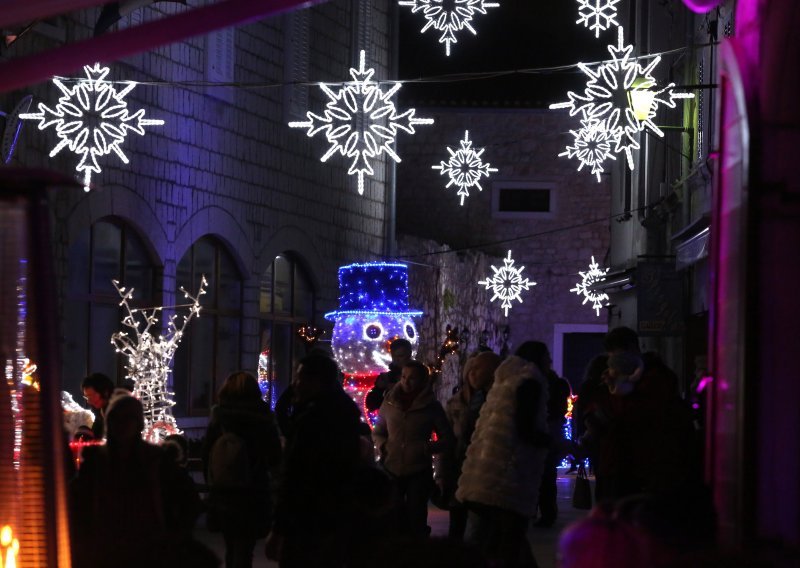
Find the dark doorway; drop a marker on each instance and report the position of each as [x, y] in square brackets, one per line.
[579, 349]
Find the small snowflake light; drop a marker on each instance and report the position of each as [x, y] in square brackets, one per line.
[588, 279]
[597, 15]
[91, 119]
[449, 16]
[507, 283]
[361, 122]
[592, 146]
[465, 168]
[149, 357]
[605, 103]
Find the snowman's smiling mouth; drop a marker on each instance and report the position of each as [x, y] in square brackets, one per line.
[382, 359]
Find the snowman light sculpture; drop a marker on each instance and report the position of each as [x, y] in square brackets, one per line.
[373, 312]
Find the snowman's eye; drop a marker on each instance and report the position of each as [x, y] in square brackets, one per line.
[373, 331]
[410, 331]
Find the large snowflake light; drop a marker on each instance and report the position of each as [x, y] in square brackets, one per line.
[449, 16]
[361, 122]
[588, 279]
[597, 15]
[91, 119]
[507, 283]
[604, 106]
[465, 168]
[149, 357]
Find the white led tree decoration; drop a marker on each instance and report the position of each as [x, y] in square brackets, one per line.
[91, 119]
[507, 283]
[592, 146]
[449, 16]
[465, 167]
[361, 122]
[605, 103]
[149, 356]
[597, 15]
[588, 279]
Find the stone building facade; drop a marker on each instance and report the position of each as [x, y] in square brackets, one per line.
[551, 217]
[224, 188]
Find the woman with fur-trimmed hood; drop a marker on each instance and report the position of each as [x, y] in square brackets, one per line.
[503, 469]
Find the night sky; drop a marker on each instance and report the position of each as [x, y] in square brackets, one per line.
[519, 34]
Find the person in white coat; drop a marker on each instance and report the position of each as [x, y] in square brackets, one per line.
[502, 472]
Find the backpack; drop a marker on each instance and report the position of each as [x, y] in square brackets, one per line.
[229, 462]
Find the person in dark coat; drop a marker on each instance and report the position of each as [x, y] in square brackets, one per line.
[241, 508]
[97, 389]
[315, 511]
[131, 504]
[558, 390]
[401, 352]
[650, 445]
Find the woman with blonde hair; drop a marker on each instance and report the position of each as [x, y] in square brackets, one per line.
[462, 412]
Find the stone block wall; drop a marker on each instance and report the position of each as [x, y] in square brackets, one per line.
[441, 284]
[523, 144]
[225, 163]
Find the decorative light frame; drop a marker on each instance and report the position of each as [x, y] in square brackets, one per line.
[507, 283]
[597, 15]
[614, 80]
[355, 105]
[149, 357]
[588, 279]
[465, 167]
[88, 99]
[449, 21]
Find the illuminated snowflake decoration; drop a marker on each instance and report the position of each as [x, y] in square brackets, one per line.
[507, 283]
[465, 168]
[604, 104]
[597, 15]
[149, 357]
[592, 147]
[584, 287]
[91, 119]
[361, 122]
[449, 19]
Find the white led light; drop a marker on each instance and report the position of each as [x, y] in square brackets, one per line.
[592, 146]
[604, 104]
[507, 283]
[149, 357]
[588, 279]
[465, 167]
[360, 122]
[597, 15]
[449, 19]
[91, 119]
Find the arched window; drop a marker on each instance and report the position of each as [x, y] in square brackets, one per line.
[108, 250]
[209, 351]
[286, 302]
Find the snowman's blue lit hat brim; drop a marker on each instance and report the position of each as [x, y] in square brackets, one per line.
[373, 288]
[333, 316]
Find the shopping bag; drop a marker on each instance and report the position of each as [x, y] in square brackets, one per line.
[582, 495]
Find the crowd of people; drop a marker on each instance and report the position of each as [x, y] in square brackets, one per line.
[325, 489]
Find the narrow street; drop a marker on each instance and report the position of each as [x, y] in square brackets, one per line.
[543, 540]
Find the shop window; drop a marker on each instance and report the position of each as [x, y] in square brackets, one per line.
[286, 302]
[210, 348]
[108, 250]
